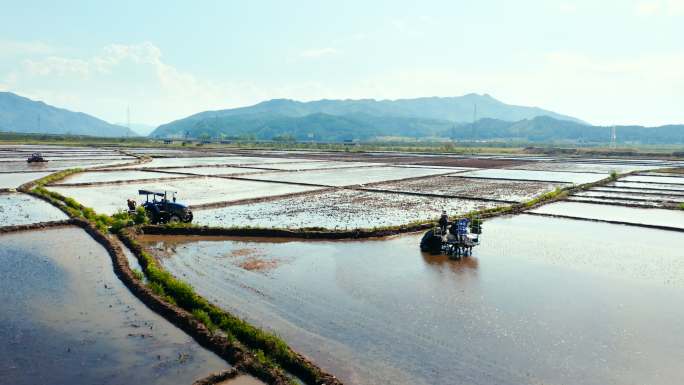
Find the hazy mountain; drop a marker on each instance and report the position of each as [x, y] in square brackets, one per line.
[453, 109]
[326, 127]
[20, 114]
[547, 129]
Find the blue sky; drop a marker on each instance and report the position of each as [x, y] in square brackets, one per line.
[607, 62]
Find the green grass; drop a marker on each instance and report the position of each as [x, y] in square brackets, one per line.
[681, 206]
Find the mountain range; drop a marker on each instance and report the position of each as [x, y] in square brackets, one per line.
[470, 117]
[20, 114]
[362, 118]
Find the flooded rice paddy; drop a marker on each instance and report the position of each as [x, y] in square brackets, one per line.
[340, 209]
[14, 180]
[67, 319]
[350, 176]
[551, 176]
[115, 176]
[508, 190]
[196, 191]
[658, 217]
[543, 300]
[22, 209]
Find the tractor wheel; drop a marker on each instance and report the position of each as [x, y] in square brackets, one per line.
[153, 217]
[174, 219]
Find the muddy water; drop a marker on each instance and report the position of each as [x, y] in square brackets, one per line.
[350, 176]
[23, 209]
[14, 180]
[67, 319]
[662, 217]
[108, 199]
[569, 177]
[114, 176]
[340, 209]
[543, 300]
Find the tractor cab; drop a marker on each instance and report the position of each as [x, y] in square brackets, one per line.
[162, 210]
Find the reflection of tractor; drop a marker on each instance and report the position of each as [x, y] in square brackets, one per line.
[458, 240]
[36, 157]
[162, 210]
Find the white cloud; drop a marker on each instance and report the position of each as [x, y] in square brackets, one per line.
[318, 53]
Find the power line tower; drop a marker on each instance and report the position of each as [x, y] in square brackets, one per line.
[613, 137]
[474, 120]
[128, 119]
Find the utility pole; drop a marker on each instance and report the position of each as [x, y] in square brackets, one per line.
[474, 120]
[38, 122]
[613, 137]
[128, 119]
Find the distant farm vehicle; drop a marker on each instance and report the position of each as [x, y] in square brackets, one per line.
[458, 240]
[36, 157]
[162, 210]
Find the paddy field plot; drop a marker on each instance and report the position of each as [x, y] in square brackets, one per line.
[313, 165]
[526, 308]
[509, 190]
[654, 179]
[210, 161]
[219, 170]
[349, 176]
[57, 165]
[23, 209]
[67, 319]
[340, 209]
[647, 186]
[14, 180]
[581, 167]
[658, 217]
[115, 176]
[107, 199]
[550, 176]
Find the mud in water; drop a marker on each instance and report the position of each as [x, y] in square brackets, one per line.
[67, 319]
[543, 300]
[14, 180]
[552, 176]
[658, 217]
[196, 191]
[350, 176]
[114, 176]
[340, 209]
[509, 190]
[23, 209]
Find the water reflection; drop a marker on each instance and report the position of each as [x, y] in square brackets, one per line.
[442, 263]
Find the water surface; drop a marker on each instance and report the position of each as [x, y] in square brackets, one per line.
[543, 300]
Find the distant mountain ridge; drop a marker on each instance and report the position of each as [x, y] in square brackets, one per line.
[20, 114]
[458, 109]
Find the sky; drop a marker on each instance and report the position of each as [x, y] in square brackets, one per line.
[606, 62]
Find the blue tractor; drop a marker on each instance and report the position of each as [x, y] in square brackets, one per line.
[160, 209]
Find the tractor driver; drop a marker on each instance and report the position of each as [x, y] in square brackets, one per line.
[443, 222]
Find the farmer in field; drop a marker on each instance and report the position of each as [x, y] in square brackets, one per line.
[443, 222]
